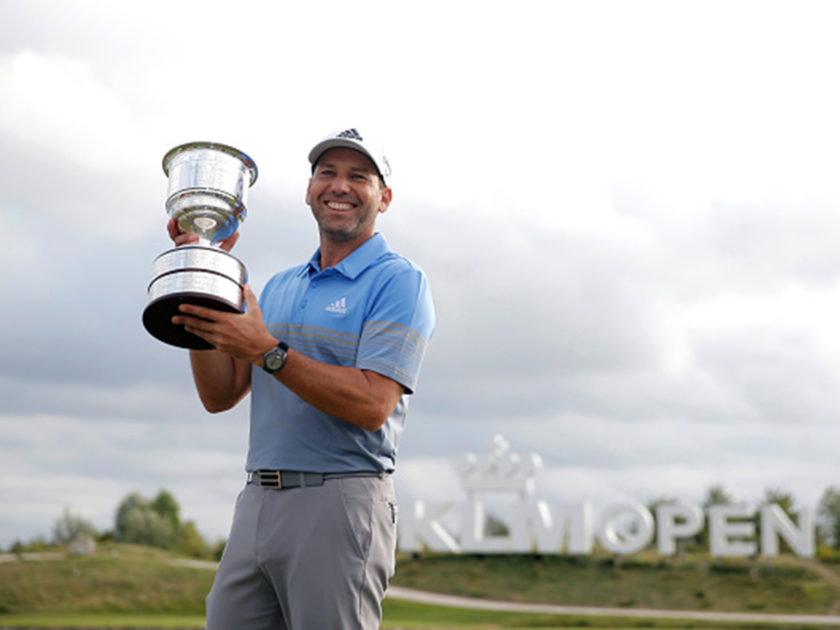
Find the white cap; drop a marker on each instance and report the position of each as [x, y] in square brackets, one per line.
[351, 139]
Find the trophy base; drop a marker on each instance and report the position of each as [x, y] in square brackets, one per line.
[157, 318]
[191, 274]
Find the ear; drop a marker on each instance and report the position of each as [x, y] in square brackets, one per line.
[386, 195]
[308, 192]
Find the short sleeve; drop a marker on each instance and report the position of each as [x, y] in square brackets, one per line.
[398, 326]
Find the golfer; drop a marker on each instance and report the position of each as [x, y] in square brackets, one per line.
[329, 353]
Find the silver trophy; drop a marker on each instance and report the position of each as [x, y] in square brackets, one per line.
[208, 184]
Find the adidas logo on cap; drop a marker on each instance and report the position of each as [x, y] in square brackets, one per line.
[350, 133]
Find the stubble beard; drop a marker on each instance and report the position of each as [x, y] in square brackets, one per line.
[339, 234]
[335, 235]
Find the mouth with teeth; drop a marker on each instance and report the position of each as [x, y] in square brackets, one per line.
[339, 206]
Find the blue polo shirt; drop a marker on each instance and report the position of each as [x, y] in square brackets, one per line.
[372, 311]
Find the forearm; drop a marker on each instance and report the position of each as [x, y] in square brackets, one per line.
[220, 379]
[360, 397]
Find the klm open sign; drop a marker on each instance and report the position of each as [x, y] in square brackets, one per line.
[532, 525]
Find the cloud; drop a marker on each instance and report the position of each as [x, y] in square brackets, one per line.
[629, 234]
[34, 83]
[88, 465]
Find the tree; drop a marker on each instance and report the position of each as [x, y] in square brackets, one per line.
[154, 523]
[144, 526]
[191, 542]
[781, 498]
[717, 495]
[128, 504]
[828, 515]
[166, 505]
[157, 523]
[69, 526]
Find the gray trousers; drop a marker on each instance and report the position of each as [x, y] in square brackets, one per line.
[310, 558]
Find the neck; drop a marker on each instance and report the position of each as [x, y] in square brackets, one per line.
[333, 252]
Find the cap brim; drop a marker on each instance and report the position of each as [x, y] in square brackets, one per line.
[341, 143]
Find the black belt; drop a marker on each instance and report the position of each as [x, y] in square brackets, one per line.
[285, 479]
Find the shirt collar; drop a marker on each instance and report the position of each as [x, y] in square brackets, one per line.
[359, 260]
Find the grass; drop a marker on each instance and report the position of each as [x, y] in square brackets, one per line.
[785, 585]
[125, 586]
[117, 579]
[409, 615]
[398, 616]
[102, 620]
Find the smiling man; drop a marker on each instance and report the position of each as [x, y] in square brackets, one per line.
[343, 196]
[329, 353]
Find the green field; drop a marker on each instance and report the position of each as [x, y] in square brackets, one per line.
[125, 586]
[694, 582]
[398, 616]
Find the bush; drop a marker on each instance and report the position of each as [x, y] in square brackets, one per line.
[69, 526]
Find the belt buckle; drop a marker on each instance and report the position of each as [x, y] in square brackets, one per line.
[271, 479]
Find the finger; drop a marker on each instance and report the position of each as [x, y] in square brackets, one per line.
[202, 334]
[197, 328]
[252, 305]
[184, 238]
[195, 323]
[201, 312]
[228, 243]
[178, 236]
[172, 228]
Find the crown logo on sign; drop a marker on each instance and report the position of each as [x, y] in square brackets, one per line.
[498, 470]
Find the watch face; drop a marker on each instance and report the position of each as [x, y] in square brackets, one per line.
[274, 360]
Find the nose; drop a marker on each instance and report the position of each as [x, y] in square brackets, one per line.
[340, 185]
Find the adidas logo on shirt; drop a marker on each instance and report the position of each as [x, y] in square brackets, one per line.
[339, 306]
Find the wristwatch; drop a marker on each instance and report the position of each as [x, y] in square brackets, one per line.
[275, 358]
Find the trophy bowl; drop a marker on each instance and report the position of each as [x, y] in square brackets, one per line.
[208, 183]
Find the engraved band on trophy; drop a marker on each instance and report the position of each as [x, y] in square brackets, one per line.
[208, 185]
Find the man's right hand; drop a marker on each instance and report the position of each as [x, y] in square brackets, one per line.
[180, 237]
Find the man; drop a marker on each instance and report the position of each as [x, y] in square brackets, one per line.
[329, 354]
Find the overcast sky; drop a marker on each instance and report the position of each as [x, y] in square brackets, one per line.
[628, 212]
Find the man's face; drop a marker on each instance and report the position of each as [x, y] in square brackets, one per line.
[345, 195]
